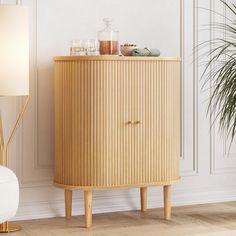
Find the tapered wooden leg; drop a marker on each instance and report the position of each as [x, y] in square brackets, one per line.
[143, 198]
[68, 203]
[88, 208]
[167, 202]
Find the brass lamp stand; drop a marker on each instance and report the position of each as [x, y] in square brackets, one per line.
[14, 71]
[7, 227]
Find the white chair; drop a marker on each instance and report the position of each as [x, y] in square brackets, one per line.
[9, 194]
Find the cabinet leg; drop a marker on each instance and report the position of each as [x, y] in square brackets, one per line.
[143, 198]
[68, 203]
[167, 202]
[88, 208]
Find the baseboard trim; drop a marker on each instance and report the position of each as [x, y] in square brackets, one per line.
[121, 201]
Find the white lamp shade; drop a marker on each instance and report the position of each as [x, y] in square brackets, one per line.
[14, 51]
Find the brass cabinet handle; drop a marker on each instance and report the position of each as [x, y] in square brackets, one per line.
[131, 122]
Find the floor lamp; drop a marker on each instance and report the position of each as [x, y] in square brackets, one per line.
[14, 71]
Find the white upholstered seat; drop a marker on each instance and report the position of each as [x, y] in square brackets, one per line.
[9, 194]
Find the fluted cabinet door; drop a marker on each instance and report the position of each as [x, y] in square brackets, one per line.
[157, 103]
[110, 110]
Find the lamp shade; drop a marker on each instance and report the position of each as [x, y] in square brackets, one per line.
[14, 51]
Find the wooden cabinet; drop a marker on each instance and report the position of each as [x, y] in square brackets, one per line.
[117, 124]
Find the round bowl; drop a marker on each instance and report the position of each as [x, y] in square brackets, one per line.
[126, 50]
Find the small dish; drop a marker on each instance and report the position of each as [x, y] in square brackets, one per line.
[126, 49]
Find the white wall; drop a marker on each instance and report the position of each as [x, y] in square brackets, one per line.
[208, 170]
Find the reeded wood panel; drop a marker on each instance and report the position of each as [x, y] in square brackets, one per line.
[117, 121]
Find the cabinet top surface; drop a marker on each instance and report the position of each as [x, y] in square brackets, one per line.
[114, 58]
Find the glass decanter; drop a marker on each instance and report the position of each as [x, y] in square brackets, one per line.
[108, 39]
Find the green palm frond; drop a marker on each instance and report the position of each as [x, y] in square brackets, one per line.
[222, 75]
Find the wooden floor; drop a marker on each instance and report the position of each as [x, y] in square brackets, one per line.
[205, 220]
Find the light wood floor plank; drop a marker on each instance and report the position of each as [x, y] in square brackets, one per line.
[199, 220]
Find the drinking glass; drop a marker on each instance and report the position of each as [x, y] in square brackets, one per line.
[77, 48]
[92, 47]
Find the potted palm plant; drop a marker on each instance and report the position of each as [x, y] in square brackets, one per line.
[222, 75]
